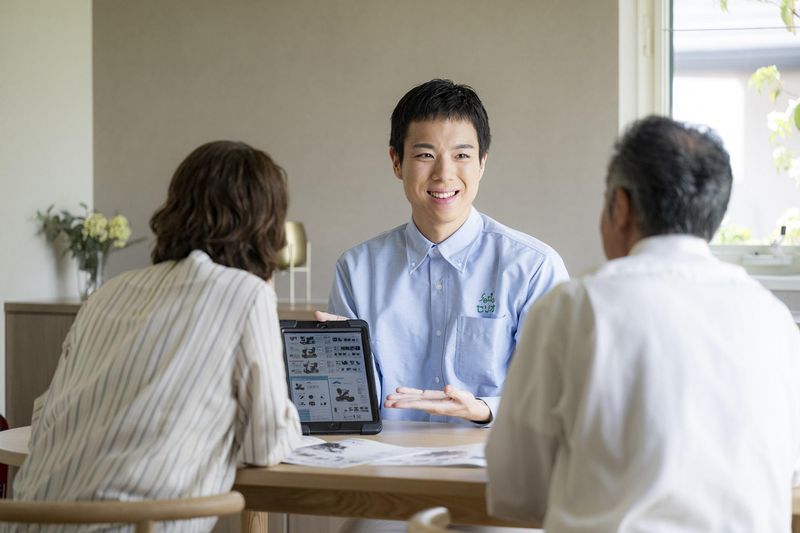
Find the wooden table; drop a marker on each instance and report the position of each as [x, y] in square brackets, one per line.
[377, 491]
[385, 492]
[362, 491]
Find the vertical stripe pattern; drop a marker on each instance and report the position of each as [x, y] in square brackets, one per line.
[170, 377]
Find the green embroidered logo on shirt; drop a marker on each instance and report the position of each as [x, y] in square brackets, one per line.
[487, 303]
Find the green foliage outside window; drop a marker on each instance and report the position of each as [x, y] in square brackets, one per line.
[783, 125]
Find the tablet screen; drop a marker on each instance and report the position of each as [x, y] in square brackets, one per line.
[328, 379]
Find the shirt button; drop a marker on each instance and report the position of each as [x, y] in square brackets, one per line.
[436, 379]
[439, 286]
[413, 263]
[438, 333]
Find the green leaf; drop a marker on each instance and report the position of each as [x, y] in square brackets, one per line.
[765, 77]
[733, 234]
[788, 14]
[723, 4]
[797, 116]
[774, 94]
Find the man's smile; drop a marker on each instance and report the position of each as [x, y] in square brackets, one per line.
[442, 195]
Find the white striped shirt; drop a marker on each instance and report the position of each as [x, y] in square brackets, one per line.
[170, 376]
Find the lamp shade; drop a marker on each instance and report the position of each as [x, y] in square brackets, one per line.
[294, 253]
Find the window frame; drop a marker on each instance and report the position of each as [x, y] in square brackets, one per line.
[645, 88]
[645, 59]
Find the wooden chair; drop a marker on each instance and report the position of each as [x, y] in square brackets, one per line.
[142, 514]
[433, 520]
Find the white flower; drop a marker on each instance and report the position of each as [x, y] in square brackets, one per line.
[775, 119]
[790, 107]
[119, 230]
[789, 217]
[794, 170]
[96, 227]
[781, 157]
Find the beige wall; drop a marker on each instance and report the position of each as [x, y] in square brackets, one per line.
[314, 82]
[45, 140]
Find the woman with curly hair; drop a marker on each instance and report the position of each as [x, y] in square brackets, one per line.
[172, 375]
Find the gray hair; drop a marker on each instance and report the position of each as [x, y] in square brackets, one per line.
[678, 177]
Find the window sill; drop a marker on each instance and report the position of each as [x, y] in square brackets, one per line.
[762, 260]
[788, 282]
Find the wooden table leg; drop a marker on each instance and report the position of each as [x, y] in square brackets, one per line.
[254, 522]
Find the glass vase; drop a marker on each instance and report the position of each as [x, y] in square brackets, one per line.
[90, 272]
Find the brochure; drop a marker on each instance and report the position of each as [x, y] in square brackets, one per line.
[353, 452]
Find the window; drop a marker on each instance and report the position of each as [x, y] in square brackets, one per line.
[714, 53]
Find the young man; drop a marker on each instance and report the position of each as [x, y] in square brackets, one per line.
[660, 393]
[444, 293]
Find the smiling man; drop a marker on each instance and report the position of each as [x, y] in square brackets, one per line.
[444, 293]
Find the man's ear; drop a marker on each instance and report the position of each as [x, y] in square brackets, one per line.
[483, 165]
[625, 220]
[395, 158]
[621, 211]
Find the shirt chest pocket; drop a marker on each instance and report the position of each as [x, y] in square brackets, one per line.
[483, 348]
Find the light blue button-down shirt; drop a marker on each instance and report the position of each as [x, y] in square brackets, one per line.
[447, 313]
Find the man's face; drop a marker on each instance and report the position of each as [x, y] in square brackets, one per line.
[440, 171]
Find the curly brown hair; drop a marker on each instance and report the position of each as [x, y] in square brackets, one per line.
[228, 200]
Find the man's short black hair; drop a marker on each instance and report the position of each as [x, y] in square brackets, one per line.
[678, 177]
[439, 99]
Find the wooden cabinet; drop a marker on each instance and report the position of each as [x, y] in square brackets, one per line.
[34, 334]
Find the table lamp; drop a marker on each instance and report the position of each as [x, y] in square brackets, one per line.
[296, 256]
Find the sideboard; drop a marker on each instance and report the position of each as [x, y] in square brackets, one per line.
[34, 334]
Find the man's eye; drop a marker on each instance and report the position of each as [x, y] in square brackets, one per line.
[462, 156]
[424, 156]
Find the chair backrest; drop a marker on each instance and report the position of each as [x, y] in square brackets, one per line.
[434, 520]
[142, 514]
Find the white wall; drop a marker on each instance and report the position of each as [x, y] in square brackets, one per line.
[45, 141]
[314, 83]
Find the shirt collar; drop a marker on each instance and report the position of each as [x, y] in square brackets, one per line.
[454, 249]
[672, 244]
[200, 256]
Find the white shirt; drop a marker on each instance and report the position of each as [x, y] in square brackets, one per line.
[170, 376]
[661, 394]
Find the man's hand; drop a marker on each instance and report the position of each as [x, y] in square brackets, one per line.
[448, 402]
[322, 316]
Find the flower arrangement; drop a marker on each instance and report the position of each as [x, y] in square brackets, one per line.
[90, 238]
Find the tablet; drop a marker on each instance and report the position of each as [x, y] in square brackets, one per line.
[331, 376]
